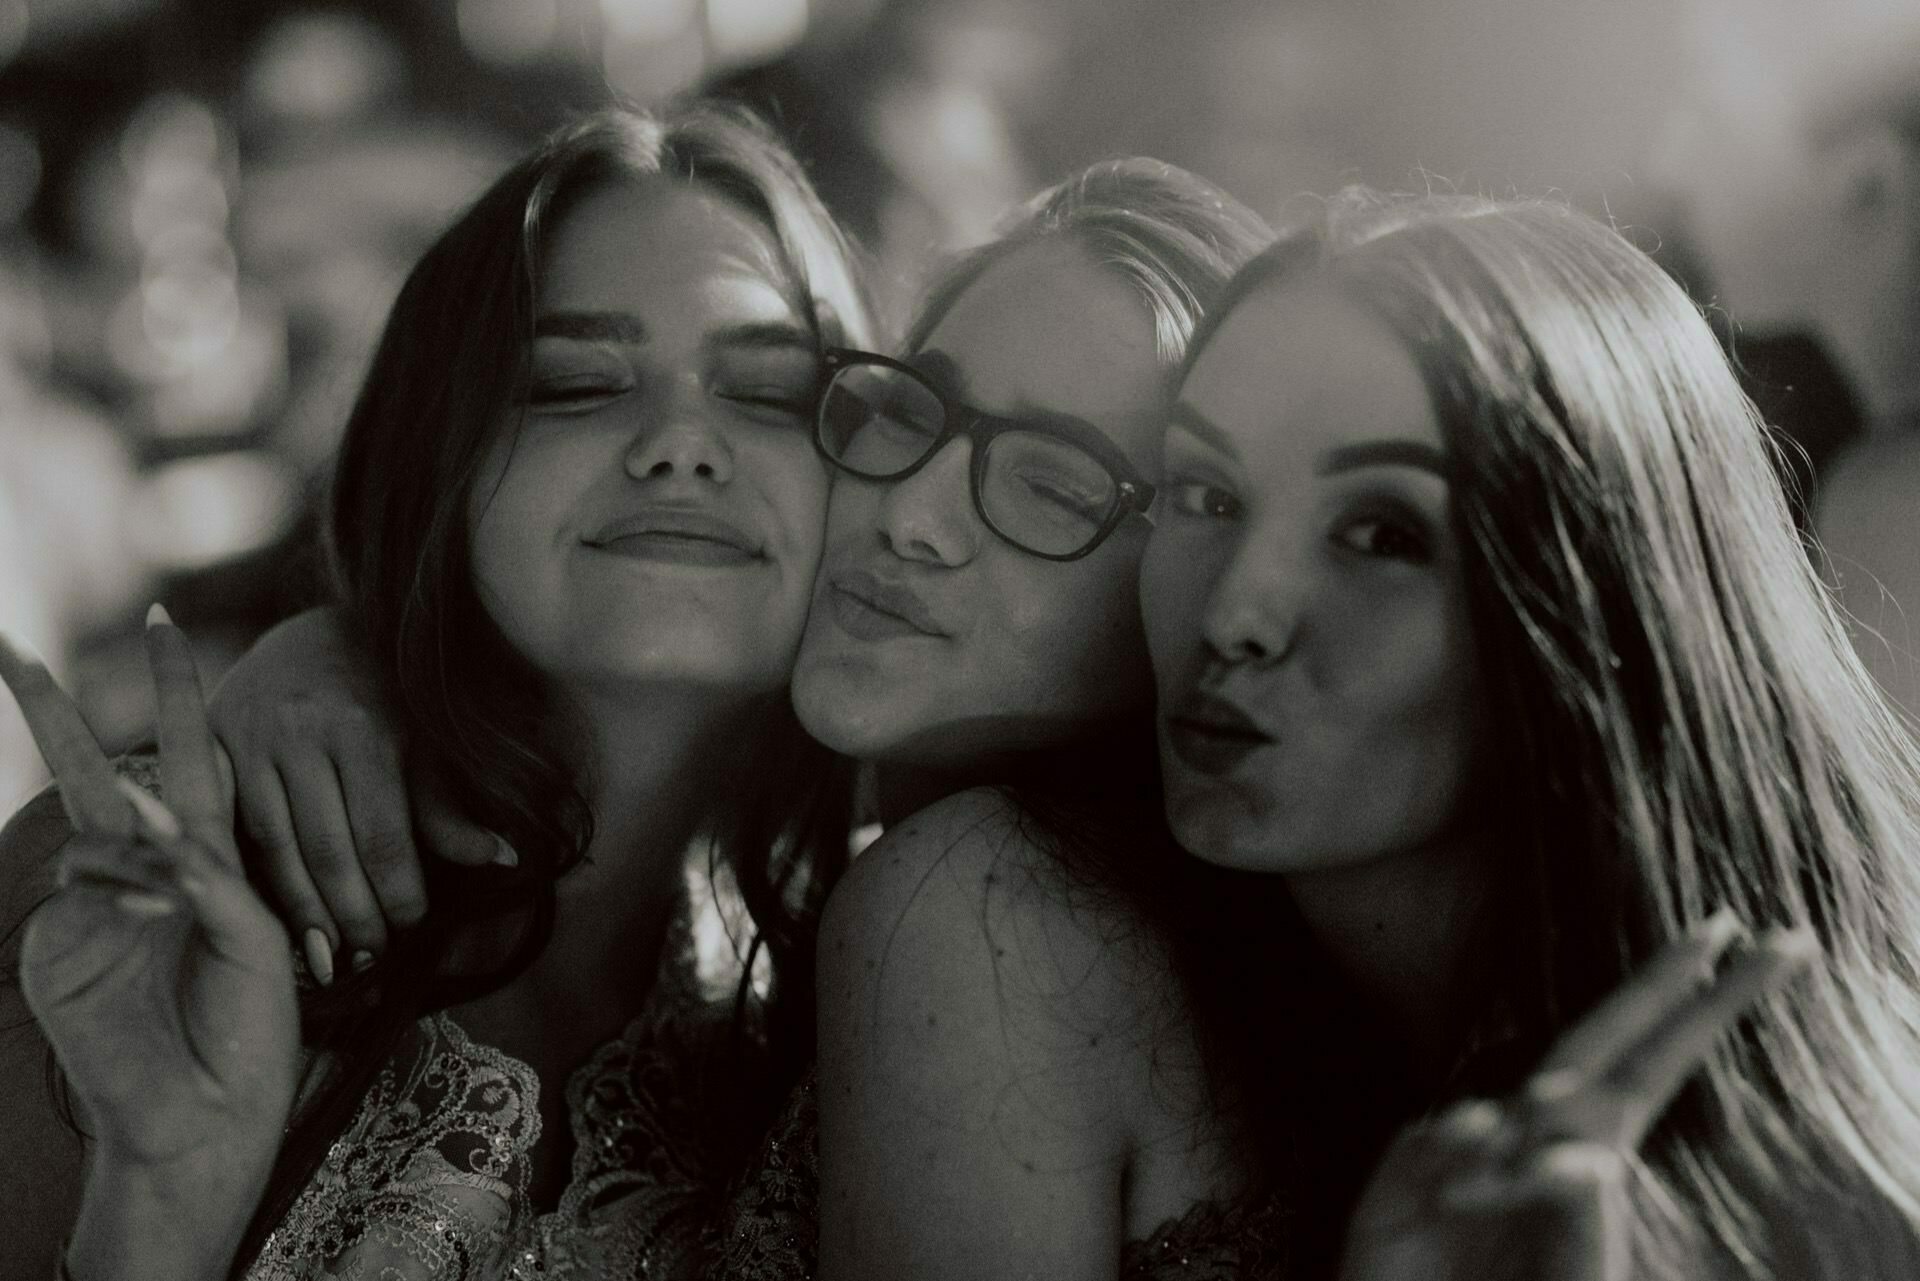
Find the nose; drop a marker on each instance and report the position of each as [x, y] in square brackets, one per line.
[1255, 612]
[929, 515]
[682, 438]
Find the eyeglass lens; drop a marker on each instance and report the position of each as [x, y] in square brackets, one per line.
[1038, 491]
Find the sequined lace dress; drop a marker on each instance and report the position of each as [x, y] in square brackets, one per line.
[429, 1182]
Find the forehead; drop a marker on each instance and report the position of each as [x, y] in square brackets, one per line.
[1301, 367]
[663, 246]
[1046, 327]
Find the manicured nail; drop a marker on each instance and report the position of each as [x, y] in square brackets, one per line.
[141, 903]
[1796, 946]
[157, 616]
[1551, 1087]
[21, 651]
[151, 812]
[319, 951]
[504, 855]
[1720, 929]
[361, 960]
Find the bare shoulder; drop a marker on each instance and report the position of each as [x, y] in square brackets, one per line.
[958, 933]
[988, 1037]
[973, 875]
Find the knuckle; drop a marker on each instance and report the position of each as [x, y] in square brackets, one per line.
[326, 857]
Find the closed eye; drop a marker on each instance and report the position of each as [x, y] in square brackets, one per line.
[776, 403]
[576, 394]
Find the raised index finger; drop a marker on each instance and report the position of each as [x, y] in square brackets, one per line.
[86, 779]
[190, 775]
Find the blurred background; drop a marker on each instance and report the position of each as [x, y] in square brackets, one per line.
[205, 207]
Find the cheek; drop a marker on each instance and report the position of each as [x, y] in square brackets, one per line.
[853, 511]
[795, 485]
[1176, 582]
[1424, 696]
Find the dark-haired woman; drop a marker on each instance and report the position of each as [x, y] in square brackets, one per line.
[575, 524]
[1482, 635]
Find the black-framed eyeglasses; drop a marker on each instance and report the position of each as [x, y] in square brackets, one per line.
[1052, 487]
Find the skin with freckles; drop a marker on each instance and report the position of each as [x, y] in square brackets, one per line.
[1303, 596]
[1012, 651]
[657, 514]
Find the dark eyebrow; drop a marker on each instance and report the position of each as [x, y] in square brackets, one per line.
[943, 372]
[766, 334]
[625, 327]
[1195, 423]
[1384, 453]
[591, 326]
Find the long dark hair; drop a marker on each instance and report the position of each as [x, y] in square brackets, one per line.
[1680, 721]
[476, 716]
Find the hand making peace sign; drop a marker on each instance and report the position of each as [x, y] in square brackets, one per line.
[1536, 1187]
[162, 981]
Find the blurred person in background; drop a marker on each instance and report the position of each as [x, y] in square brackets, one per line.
[575, 524]
[1795, 158]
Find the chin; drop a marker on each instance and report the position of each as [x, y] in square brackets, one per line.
[1222, 826]
[834, 709]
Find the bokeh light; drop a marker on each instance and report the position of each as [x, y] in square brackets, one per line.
[507, 32]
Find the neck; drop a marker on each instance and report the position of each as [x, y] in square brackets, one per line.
[904, 790]
[1398, 927]
[656, 763]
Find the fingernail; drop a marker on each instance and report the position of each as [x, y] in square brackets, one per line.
[504, 855]
[361, 960]
[319, 954]
[1551, 1087]
[157, 616]
[1796, 945]
[1720, 929]
[141, 903]
[150, 810]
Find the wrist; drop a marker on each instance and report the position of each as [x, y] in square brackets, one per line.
[181, 1218]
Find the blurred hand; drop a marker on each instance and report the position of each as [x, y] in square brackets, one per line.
[324, 795]
[1535, 1188]
[163, 983]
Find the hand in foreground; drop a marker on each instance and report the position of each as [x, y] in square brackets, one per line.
[163, 983]
[1536, 1186]
[323, 793]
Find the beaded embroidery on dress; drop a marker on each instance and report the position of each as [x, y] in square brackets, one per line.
[429, 1182]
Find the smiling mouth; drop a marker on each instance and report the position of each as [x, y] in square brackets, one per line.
[675, 547]
[678, 538]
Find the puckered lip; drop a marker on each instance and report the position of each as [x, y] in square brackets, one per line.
[1205, 713]
[678, 522]
[888, 596]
